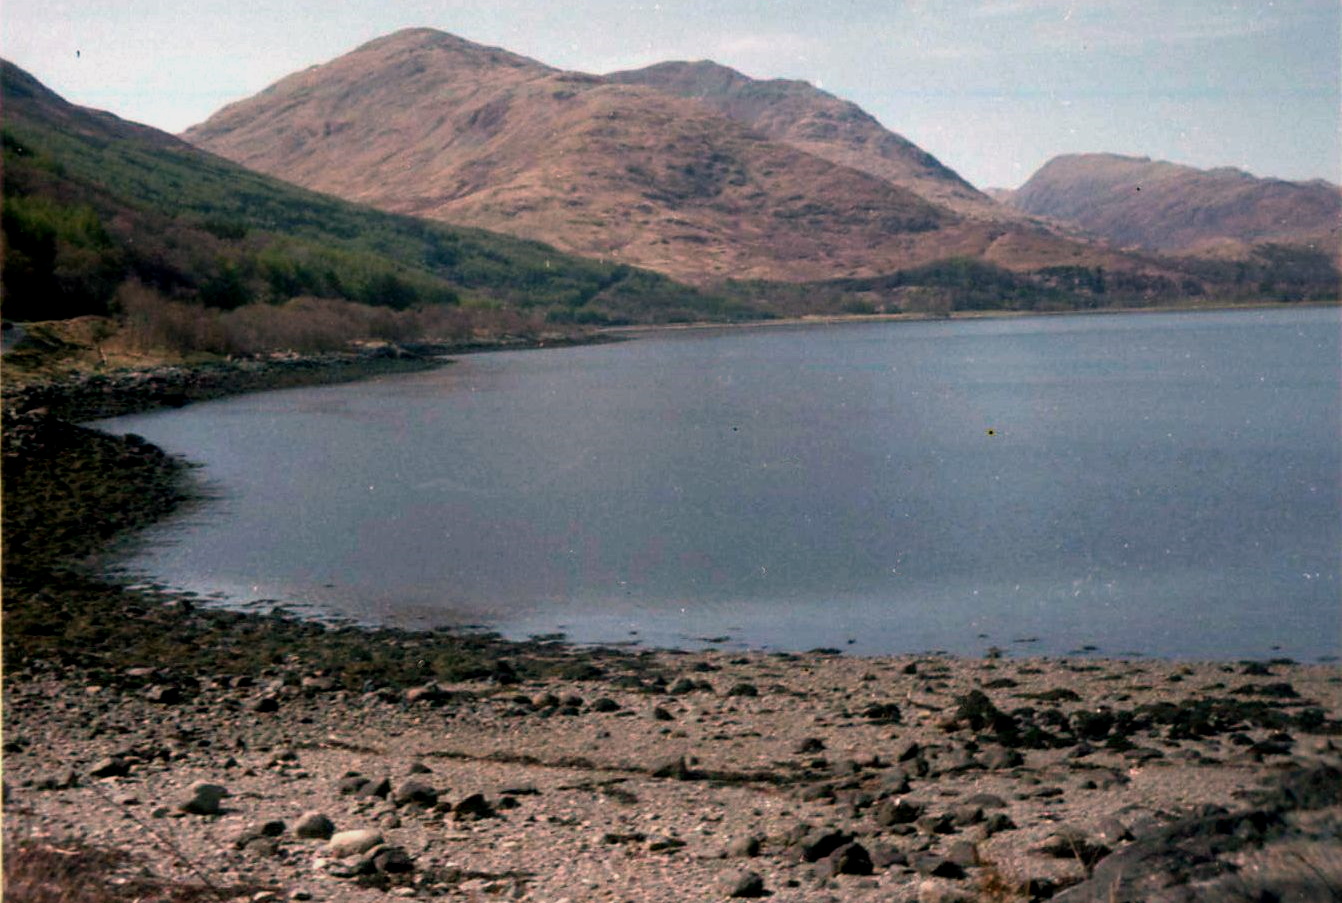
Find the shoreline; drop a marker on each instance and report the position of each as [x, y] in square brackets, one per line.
[840, 319]
[542, 771]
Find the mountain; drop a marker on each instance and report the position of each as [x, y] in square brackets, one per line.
[803, 116]
[92, 202]
[1178, 209]
[424, 123]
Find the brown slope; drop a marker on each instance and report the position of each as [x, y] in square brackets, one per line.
[815, 121]
[1172, 208]
[425, 123]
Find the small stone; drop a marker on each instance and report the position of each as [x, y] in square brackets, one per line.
[661, 714]
[352, 783]
[744, 689]
[936, 824]
[266, 703]
[163, 695]
[744, 847]
[985, 801]
[204, 799]
[473, 808]
[669, 767]
[428, 694]
[416, 793]
[896, 812]
[110, 767]
[380, 789]
[314, 826]
[963, 853]
[849, 859]
[936, 891]
[255, 831]
[420, 768]
[816, 845]
[931, 865]
[1070, 843]
[605, 704]
[353, 843]
[663, 844]
[809, 745]
[389, 860]
[995, 758]
[743, 884]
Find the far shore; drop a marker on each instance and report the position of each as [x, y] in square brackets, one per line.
[902, 317]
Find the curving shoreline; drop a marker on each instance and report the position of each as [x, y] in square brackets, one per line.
[609, 774]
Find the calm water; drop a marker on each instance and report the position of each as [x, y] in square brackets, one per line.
[1163, 484]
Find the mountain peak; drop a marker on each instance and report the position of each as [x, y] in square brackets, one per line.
[446, 46]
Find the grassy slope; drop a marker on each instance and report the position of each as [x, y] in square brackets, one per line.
[91, 200]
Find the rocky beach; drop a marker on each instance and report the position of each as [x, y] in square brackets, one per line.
[159, 749]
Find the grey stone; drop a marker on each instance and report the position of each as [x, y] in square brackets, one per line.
[203, 799]
[416, 793]
[472, 808]
[110, 767]
[742, 884]
[849, 859]
[314, 826]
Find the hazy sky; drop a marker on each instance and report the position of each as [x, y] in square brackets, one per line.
[993, 88]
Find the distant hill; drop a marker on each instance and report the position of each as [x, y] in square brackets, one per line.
[809, 119]
[425, 123]
[1178, 209]
[92, 201]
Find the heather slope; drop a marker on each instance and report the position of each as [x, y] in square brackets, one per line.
[92, 202]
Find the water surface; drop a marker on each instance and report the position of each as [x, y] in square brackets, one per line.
[1163, 484]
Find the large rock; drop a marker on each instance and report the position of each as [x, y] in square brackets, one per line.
[416, 793]
[743, 884]
[353, 843]
[110, 767]
[473, 808]
[1164, 863]
[849, 859]
[314, 826]
[203, 799]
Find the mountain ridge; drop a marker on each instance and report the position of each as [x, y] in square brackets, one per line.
[1175, 208]
[431, 125]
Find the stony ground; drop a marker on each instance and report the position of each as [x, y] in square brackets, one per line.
[699, 776]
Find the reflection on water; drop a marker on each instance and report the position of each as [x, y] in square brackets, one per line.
[1162, 483]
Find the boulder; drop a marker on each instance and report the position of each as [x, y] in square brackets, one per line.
[314, 826]
[203, 799]
[416, 793]
[353, 843]
[743, 884]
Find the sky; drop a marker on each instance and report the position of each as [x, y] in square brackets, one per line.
[992, 88]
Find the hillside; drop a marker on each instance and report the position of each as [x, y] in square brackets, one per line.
[92, 203]
[803, 116]
[1178, 209]
[424, 123]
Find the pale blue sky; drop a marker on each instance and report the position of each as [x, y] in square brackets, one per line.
[993, 88]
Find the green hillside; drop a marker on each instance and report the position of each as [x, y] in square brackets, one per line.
[92, 202]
